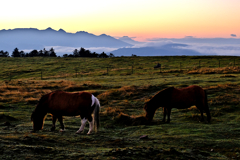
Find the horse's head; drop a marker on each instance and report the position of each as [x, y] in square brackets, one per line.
[37, 120]
[150, 111]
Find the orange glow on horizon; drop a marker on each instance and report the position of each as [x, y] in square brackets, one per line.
[141, 19]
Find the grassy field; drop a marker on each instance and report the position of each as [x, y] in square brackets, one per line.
[122, 91]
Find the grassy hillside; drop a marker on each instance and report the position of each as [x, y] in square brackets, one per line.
[58, 68]
[122, 91]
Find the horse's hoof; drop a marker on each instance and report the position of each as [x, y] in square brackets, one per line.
[32, 131]
[61, 130]
[89, 133]
[79, 132]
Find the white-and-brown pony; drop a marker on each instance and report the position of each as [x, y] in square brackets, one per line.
[60, 103]
[177, 98]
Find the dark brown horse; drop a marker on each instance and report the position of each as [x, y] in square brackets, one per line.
[177, 98]
[60, 103]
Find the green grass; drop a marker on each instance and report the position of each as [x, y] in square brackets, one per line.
[120, 92]
[68, 67]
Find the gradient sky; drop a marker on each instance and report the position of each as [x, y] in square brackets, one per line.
[143, 19]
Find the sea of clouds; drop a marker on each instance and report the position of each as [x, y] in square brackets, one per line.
[207, 47]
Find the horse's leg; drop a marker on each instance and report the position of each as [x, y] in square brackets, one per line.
[202, 118]
[91, 124]
[164, 114]
[60, 119]
[168, 114]
[200, 108]
[208, 114]
[81, 129]
[54, 119]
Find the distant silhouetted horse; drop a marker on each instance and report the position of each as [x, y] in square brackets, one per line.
[177, 98]
[60, 103]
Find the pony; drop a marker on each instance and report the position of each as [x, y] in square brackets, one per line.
[177, 98]
[60, 103]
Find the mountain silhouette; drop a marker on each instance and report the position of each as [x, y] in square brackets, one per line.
[165, 50]
[129, 40]
[31, 38]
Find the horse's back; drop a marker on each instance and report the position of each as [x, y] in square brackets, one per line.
[64, 103]
[187, 97]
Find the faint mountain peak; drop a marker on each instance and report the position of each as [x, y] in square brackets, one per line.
[82, 32]
[49, 29]
[61, 30]
[128, 40]
[104, 35]
[172, 45]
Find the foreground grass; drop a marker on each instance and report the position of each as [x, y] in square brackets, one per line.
[183, 138]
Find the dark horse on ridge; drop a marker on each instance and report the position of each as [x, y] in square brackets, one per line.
[60, 103]
[177, 98]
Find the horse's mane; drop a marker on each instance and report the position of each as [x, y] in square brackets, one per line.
[162, 93]
[39, 108]
[41, 102]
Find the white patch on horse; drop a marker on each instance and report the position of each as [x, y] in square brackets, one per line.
[90, 127]
[62, 130]
[83, 121]
[93, 100]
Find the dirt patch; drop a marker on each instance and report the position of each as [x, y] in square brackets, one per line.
[5, 118]
[194, 117]
[125, 119]
[228, 76]
[2, 107]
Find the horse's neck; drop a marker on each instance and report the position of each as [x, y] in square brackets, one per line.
[40, 112]
[153, 103]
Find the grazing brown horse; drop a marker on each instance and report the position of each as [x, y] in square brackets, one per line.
[177, 98]
[60, 103]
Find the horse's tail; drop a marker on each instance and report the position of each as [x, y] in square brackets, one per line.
[96, 114]
[206, 107]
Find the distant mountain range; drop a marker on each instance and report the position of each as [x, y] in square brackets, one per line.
[31, 38]
[28, 39]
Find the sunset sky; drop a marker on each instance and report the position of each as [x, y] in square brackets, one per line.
[143, 19]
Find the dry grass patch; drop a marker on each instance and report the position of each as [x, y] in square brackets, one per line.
[125, 92]
[222, 70]
[31, 100]
[31, 90]
[111, 111]
[125, 119]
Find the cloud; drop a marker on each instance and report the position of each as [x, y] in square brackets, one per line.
[233, 35]
[214, 49]
[152, 44]
[207, 48]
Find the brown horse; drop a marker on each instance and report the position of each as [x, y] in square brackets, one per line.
[177, 98]
[60, 103]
